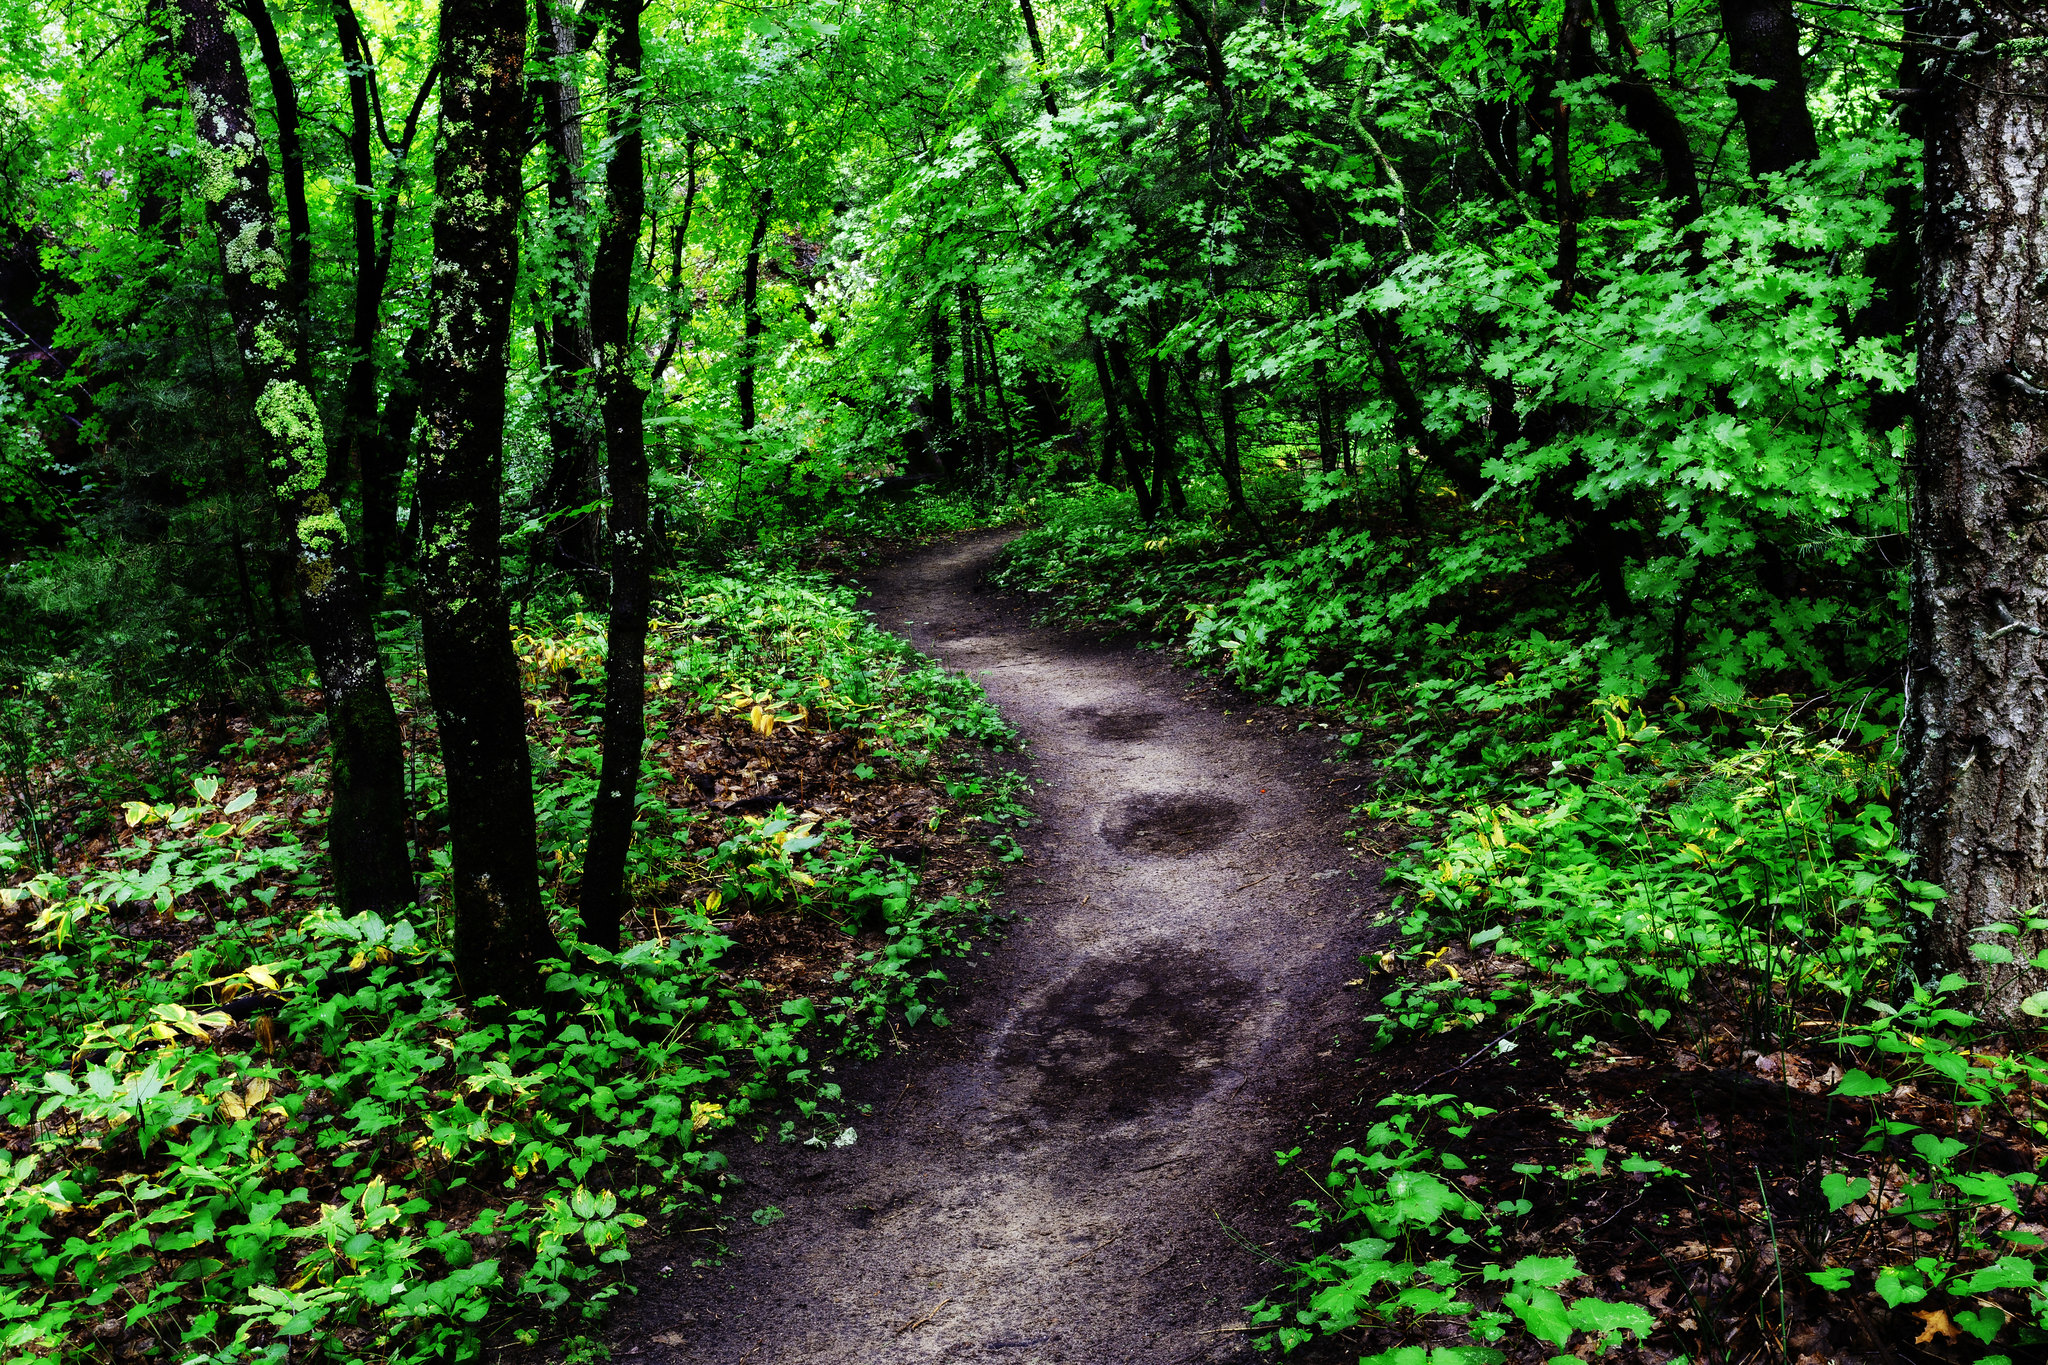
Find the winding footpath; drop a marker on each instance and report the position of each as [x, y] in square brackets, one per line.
[1081, 1168]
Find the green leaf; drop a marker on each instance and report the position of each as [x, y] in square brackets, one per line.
[1861, 1085]
[1842, 1191]
[1543, 1313]
[1834, 1279]
[1597, 1315]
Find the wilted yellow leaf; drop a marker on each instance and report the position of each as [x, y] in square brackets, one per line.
[762, 721]
[1937, 1325]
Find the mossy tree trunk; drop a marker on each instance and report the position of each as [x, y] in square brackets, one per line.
[501, 926]
[366, 820]
[1977, 682]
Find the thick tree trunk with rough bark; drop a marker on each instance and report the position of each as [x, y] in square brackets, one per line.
[501, 925]
[1977, 680]
[366, 822]
[604, 895]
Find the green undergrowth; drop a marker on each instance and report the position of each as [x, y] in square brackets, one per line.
[1580, 870]
[239, 1126]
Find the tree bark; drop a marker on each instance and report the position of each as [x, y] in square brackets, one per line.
[501, 926]
[750, 305]
[1763, 44]
[679, 296]
[604, 896]
[366, 821]
[359, 396]
[575, 427]
[1976, 770]
[1226, 412]
[943, 438]
[1650, 115]
[291, 161]
[1569, 36]
[1116, 434]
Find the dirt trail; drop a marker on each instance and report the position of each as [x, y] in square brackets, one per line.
[1048, 1179]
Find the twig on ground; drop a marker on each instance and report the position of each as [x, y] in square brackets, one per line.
[913, 1326]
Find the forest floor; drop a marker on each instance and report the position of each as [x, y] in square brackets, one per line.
[1081, 1169]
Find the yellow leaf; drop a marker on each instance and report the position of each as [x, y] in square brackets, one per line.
[1937, 1325]
[763, 723]
[703, 1115]
[137, 812]
[261, 974]
[231, 1105]
[712, 902]
[259, 1091]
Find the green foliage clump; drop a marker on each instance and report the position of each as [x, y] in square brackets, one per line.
[292, 1133]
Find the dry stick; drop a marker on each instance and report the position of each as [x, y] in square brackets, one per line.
[913, 1326]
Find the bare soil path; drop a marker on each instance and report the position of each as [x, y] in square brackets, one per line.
[1051, 1178]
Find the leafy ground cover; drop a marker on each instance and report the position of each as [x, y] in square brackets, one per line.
[237, 1126]
[1663, 1087]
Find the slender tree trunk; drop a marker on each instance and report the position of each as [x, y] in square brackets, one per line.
[291, 161]
[604, 895]
[384, 461]
[576, 430]
[1763, 44]
[1226, 409]
[1132, 400]
[973, 386]
[678, 293]
[359, 395]
[1976, 778]
[1116, 435]
[943, 437]
[750, 304]
[501, 927]
[157, 203]
[1167, 470]
[1569, 35]
[366, 821]
[1649, 114]
[1319, 376]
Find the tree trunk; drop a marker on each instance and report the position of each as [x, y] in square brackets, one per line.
[604, 894]
[157, 199]
[1116, 435]
[750, 304]
[1976, 773]
[1763, 43]
[1569, 36]
[501, 926]
[973, 385]
[575, 428]
[384, 461]
[1650, 115]
[359, 395]
[291, 162]
[942, 440]
[1226, 411]
[678, 294]
[1167, 470]
[366, 821]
